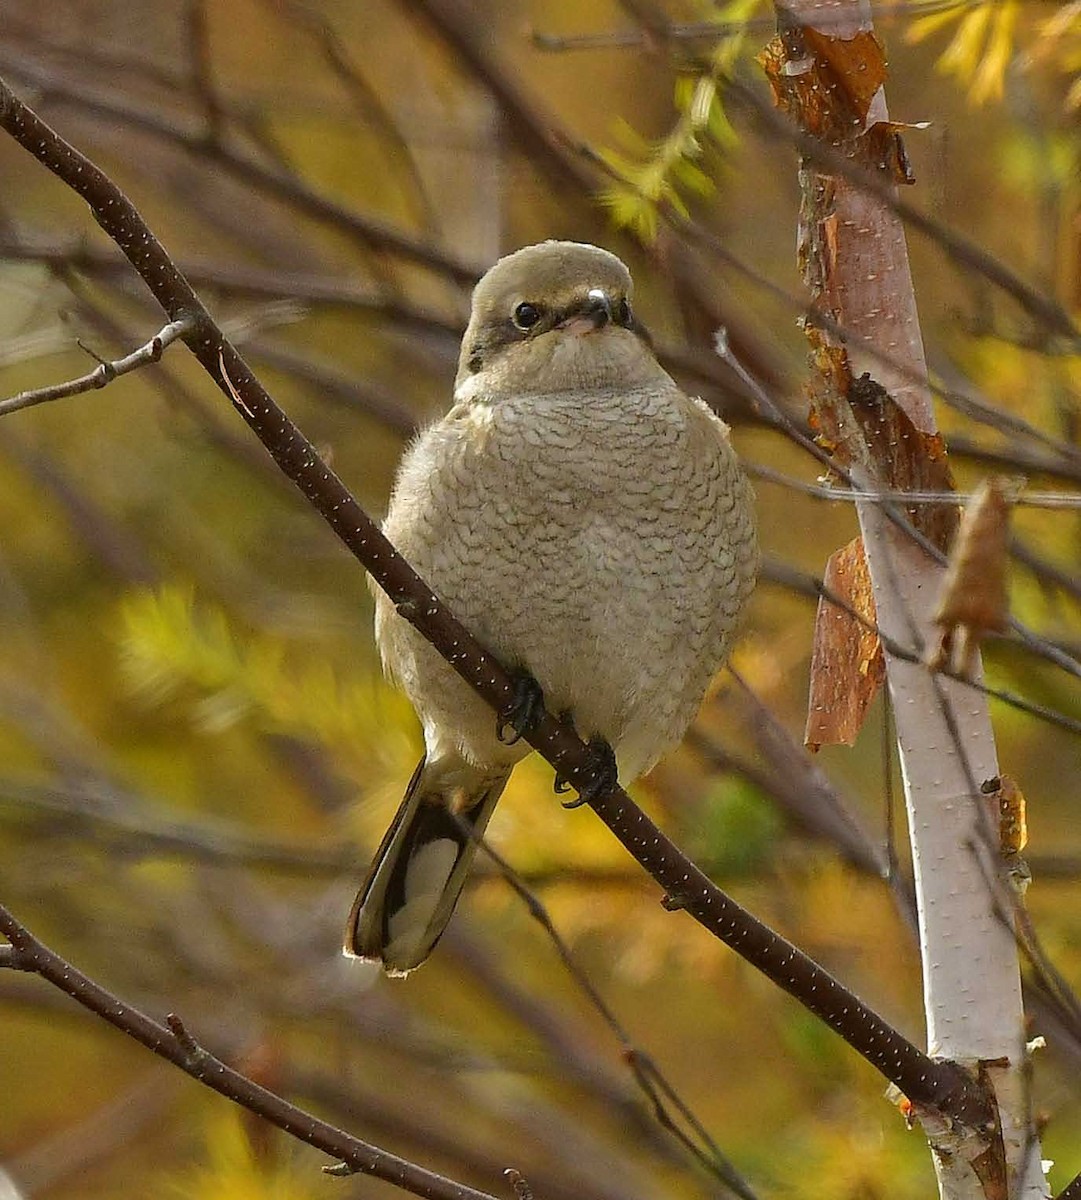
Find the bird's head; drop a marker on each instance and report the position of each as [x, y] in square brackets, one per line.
[551, 318]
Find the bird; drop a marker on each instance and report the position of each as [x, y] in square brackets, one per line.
[592, 526]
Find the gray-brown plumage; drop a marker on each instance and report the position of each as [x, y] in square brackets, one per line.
[584, 519]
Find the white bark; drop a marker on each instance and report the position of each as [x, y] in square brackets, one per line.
[971, 978]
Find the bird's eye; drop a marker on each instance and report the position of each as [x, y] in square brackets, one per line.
[624, 316]
[526, 316]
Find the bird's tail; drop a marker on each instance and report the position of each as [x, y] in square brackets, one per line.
[421, 865]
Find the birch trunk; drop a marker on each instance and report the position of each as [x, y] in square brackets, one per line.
[971, 977]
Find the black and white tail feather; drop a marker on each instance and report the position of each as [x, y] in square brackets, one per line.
[421, 865]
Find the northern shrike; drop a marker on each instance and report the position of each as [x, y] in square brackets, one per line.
[590, 525]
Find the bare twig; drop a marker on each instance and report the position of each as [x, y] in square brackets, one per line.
[202, 68]
[812, 585]
[175, 1043]
[268, 178]
[689, 31]
[109, 815]
[1048, 573]
[365, 98]
[108, 541]
[647, 1074]
[818, 491]
[241, 279]
[104, 373]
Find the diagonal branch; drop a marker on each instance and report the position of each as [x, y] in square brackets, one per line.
[647, 1074]
[104, 373]
[939, 1086]
[174, 1043]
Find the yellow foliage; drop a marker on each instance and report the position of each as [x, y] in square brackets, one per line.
[173, 647]
[1059, 40]
[985, 43]
[651, 176]
[235, 1170]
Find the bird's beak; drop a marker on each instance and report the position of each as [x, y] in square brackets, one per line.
[599, 307]
[595, 312]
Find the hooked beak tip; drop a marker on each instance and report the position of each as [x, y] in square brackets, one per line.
[600, 306]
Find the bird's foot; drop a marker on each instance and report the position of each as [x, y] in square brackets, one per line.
[524, 712]
[598, 777]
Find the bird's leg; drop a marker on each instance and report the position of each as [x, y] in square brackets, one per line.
[599, 776]
[524, 711]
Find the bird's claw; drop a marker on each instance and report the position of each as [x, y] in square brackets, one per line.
[599, 777]
[524, 712]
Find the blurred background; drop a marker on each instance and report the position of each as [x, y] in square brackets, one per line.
[197, 750]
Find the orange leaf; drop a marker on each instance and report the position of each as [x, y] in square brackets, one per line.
[1003, 792]
[975, 598]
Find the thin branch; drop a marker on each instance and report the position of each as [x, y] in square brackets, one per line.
[240, 329]
[794, 783]
[1043, 308]
[1050, 574]
[704, 31]
[893, 512]
[243, 279]
[960, 395]
[1015, 458]
[940, 1086]
[564, 1176]
[174, 1043]
[110, 542]
[144, 829]
[104, 373]
[270, 179]
[81, 50]
[201, 65]
[850, 495]
[647, 1074]
[365, 98]
[109, 815]
[812, 585]
[337, 386]
[219, 433]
